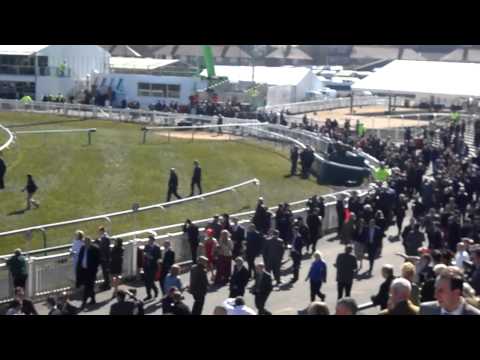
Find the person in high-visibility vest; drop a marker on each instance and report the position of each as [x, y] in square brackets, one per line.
[455, 117]
[382, 174]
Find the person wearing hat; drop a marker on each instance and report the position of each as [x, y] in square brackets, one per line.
[173, 185]
[17, 264]
[199, 284]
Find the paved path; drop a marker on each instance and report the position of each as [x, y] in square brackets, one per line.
[289, 299]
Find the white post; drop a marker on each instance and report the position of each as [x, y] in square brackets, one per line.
[30, 286]
[94, 112]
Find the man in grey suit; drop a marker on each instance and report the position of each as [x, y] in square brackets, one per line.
[448, 292]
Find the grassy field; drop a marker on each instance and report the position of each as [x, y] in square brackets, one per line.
[76, 180]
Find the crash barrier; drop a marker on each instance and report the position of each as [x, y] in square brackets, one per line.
[54, 273]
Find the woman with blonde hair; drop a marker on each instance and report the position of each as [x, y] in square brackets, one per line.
[224, 259]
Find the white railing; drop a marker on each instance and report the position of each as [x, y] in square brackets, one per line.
[55, 273]
[43, 228]
[10, 139]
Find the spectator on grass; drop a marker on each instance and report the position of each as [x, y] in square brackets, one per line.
[196, 178]
[172, 185]
[17, 264]
[3, 171]
[31, 188]
[346, 306]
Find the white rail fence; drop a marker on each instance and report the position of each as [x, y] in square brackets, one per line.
[10, 139]
[160, 206]
[53, 273]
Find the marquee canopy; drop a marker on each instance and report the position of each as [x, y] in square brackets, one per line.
[437, 78]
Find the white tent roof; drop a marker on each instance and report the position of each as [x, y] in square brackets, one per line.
[424, 77]
[120, 62]
[263, 74]
[20, 49]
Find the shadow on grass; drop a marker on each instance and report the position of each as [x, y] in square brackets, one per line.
[17, 212]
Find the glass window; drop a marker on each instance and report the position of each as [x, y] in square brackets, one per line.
[159, 90]
[173, 91]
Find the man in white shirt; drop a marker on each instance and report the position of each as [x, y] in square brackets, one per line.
[461, 255]
[237, 307]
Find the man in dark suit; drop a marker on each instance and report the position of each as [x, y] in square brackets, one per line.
[197, 177]
[238, 237]
[448, 292]
[340, 213]
[381, 299]
[239, 279]
[262, 289]
[103, 242]
[167, 263]
[273, 254]
[172, 185]
[294, 160]
[151, 255]
[373, 242]
[193, 238]
[254, 247]
[3, 170]
[475, 278]
[87, 267]
[199, 284]
[346, 265]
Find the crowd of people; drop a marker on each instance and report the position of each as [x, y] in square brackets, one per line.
[437, 181]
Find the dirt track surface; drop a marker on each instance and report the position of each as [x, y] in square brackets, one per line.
[372, 116]
[199, 135]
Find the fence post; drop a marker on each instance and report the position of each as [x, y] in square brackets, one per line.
[30, 286]
[144, 135]
[94, 112]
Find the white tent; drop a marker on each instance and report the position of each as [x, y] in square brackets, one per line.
[436, 78]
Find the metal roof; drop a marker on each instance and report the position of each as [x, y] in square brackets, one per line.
[21, 49]
[263, 74]
[458, 79]
[120, 62]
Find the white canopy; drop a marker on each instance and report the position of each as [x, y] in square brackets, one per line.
[20, 49]
[407, 77]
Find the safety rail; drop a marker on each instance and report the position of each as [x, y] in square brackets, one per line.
[64, 131]
[10, 140]
[108, 216]
[54, 273]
